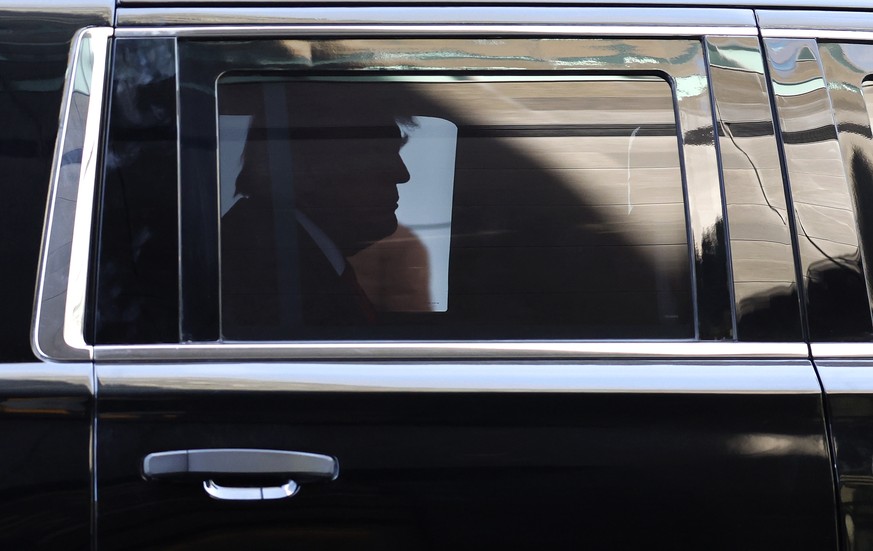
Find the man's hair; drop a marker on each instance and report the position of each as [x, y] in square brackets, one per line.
[320, 110]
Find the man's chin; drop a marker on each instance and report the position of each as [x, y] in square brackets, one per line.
[375, 231]
[387, 231]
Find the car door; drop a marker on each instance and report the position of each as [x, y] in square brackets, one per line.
[553, 337]
[833, 52]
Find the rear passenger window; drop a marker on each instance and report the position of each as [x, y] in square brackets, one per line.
[525, 189]
[481, 206]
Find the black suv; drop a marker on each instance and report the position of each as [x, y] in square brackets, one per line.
[449, 276]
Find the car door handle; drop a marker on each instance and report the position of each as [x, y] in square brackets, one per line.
[295, 467]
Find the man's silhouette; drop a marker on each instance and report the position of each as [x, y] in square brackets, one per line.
[286, 240]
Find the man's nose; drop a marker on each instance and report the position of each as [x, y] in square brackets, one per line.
[402, 172]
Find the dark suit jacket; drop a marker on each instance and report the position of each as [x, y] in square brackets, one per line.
[276, 282]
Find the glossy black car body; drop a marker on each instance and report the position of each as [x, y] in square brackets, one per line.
[724, 405]
[47, 412]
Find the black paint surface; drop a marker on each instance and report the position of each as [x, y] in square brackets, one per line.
[45, 490]
[472, 471]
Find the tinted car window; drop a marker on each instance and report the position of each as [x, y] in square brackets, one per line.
[534, 189]
[488, 206]
[138, 276]
[833, 196]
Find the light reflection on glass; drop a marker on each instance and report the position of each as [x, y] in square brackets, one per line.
[826, 227]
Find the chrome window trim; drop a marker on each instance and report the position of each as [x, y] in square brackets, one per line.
[369, 351]
[59, 309]
[46, 379]
[825, 350]
[842, 376]
[835, 4]
[444, 20]
[816, 24]
[726, 377]
[102, 9]
[442, 30]
[824, 34]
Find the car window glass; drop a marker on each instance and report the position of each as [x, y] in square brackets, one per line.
[488, 206]
[310, 190]
[137, 269]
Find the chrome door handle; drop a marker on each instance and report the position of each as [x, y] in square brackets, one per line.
[295, 467]
[234, 493]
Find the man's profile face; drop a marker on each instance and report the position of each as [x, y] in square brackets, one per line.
[346, 178]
